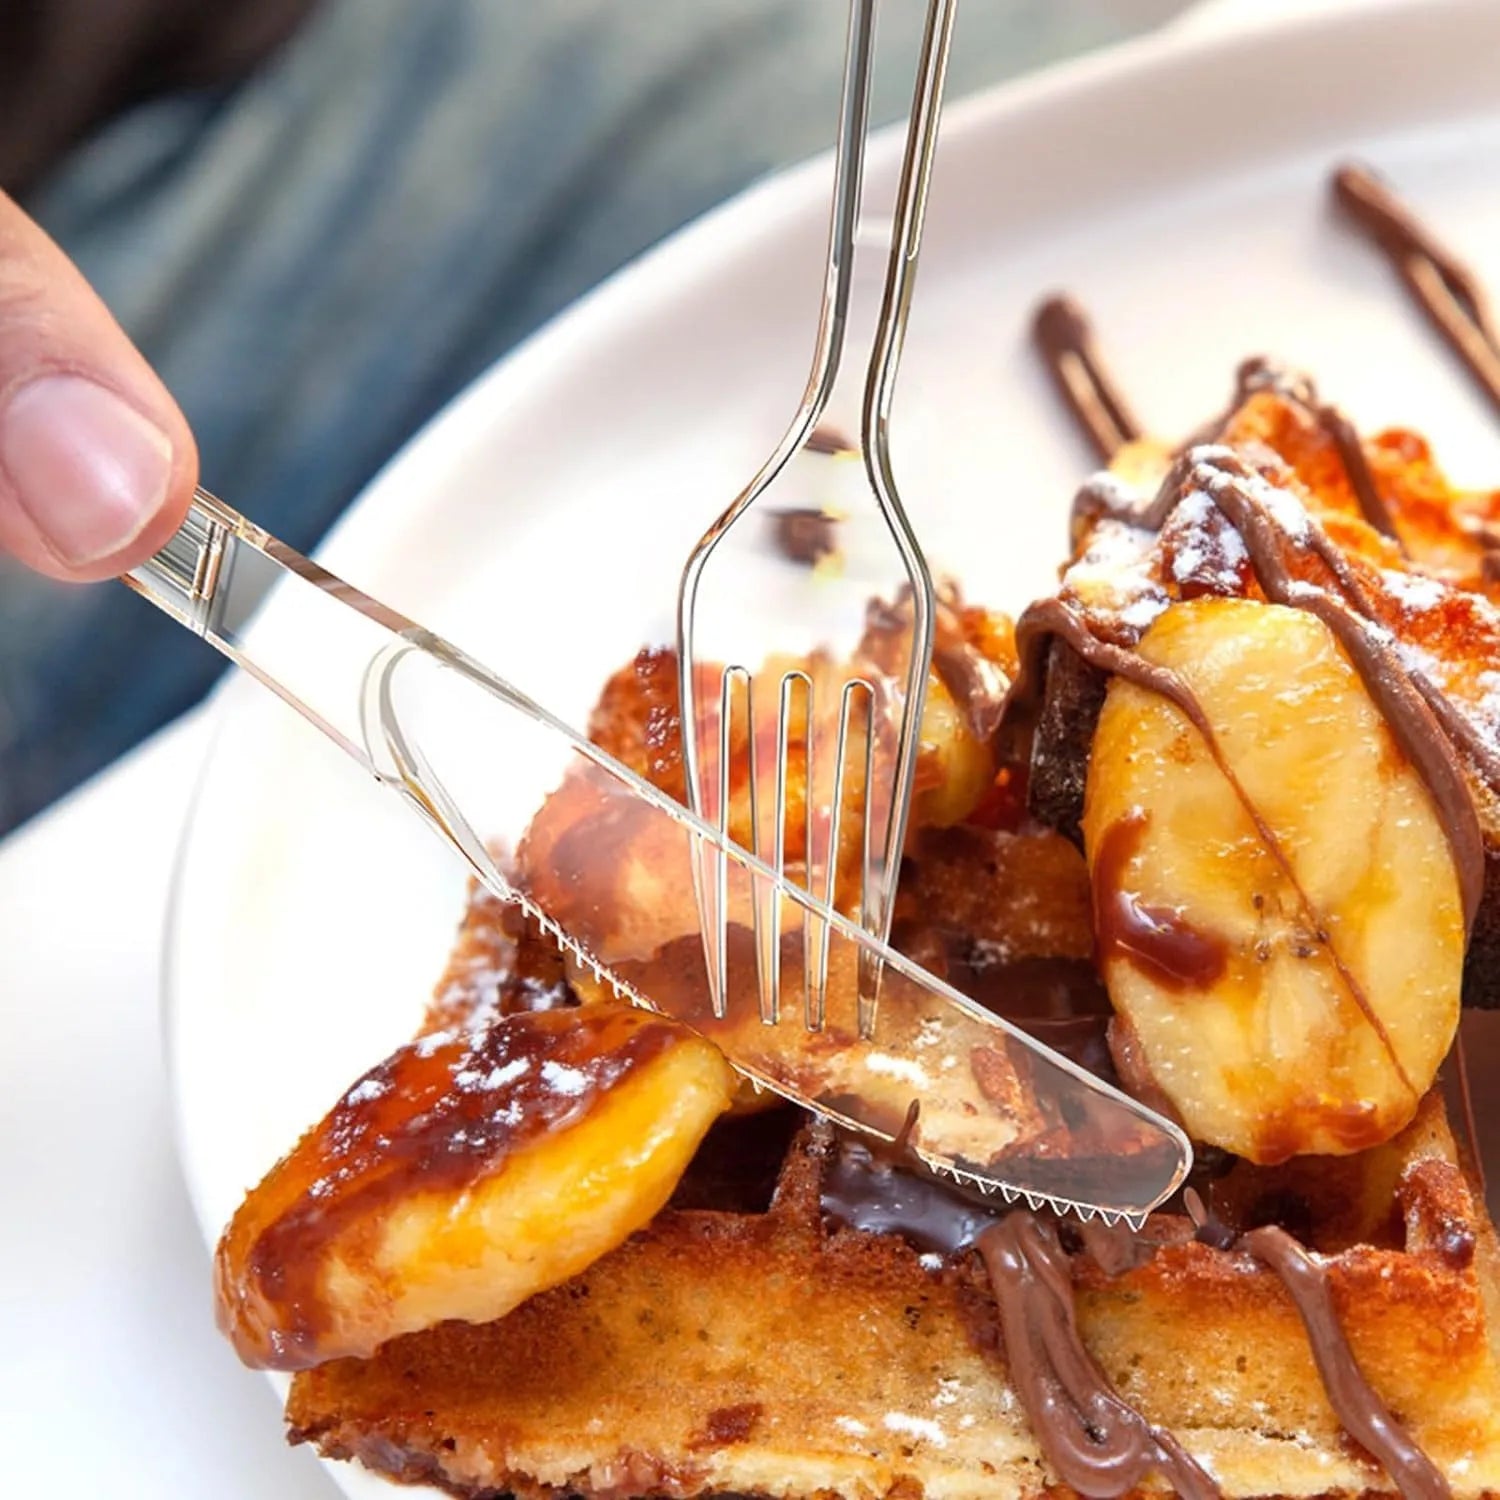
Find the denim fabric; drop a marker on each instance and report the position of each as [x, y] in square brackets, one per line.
[319, 259]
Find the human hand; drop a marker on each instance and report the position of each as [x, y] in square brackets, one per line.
[96, 462]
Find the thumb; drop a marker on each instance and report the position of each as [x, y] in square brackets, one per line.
[96, 462]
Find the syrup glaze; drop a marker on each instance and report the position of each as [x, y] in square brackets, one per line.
[1159, 940]
[438, 1114]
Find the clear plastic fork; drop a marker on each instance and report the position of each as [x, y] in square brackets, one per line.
[863, 788]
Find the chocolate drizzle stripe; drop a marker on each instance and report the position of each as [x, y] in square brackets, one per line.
[1261, 374]
[1065, 340]
[1095, 1441]
[1372, 505]
[1444, 290]
[1053, 616]
[1429, 729]
[1458, 727]
[1365, 1417]
[1419, 732]
[1062, 335]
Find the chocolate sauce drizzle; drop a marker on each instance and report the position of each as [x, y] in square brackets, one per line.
[1445, 291]
[1063, 1390]
[1430, 732]
[1262, 374]
[1055, 617]
[1093, 1438]
[1064, 338]
[1365, 1417]
[1273, 540]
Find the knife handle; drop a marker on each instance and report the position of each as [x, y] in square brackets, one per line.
[313, 650]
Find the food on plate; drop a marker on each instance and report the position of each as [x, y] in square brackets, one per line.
[476, 1166]
[1217, 819]
[1278, 916]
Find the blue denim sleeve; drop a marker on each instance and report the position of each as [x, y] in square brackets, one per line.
[319, 259]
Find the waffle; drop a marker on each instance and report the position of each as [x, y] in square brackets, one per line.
[803, 1317]
[748, 1342]
[801, 1320]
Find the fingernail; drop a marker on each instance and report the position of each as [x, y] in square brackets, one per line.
[89, 470]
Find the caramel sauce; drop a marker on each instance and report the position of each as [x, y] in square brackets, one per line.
[440, 1113]
[1355, 1126]
[1157, 940]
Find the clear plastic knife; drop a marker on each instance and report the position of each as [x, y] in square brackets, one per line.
[605, 865]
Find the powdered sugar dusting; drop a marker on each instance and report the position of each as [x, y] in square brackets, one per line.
[1412, 590]
[434, 1042]
[1207, 554]
[475, 1080]
[1284, 508]
[561, 1079]
[920, 1427]
[898, 1067]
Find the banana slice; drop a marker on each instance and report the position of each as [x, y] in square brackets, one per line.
[1281, 934]
[471, 1169]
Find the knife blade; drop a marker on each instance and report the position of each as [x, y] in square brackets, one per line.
[606, 864]
[606, 867]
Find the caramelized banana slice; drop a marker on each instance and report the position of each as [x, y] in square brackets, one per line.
[471, 1169]
[1281, 931]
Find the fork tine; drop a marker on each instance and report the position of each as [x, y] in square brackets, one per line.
[855, 691]
[765, 909]
[884, 804]
[871, 885]
[716, 922]
[768, 965]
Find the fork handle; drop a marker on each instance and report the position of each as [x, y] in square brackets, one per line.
[313, 650]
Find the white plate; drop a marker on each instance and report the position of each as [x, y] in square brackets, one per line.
[1177, 185]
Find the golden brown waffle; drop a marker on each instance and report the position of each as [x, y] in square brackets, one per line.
[751, 1340]
[746, 1343]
